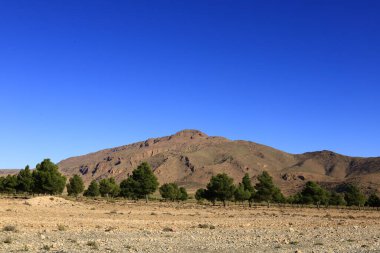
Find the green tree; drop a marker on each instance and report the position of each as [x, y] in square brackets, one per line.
[313, 193]
[92, 190]
[241, 194]
[294, 199]
[25, 180]
[2, 184]
[48, 179]
[278, 197]
[246, 181]
[183, 196]
[353, 195]
[144, 181]
[337, 199]
[9, 184]
[108, 187]
[200, 194]
[170, 191]
[75, 186]
[128, 188]
[373, 200]
[221, 187]
[266, 190]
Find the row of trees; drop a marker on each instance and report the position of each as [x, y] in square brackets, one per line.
[347, 194]
[139, 185]
[46, 179]
[221, 188]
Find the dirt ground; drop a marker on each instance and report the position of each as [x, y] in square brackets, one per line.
[53, 224]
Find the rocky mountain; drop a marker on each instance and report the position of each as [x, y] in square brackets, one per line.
[191, 157]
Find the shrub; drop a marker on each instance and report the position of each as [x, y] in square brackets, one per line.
[9, 228]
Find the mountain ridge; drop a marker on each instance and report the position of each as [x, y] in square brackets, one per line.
[191, 157]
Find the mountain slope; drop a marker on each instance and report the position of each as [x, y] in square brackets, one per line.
[191, 157]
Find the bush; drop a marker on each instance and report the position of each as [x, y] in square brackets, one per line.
[183, 194]
[200, 194]
[373, 200]
[171, 191]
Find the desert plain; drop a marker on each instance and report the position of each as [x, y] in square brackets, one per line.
[56, 224]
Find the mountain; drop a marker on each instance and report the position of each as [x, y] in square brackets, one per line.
[191, 157]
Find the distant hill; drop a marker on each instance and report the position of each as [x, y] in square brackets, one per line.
[5, 172]
[191, 157]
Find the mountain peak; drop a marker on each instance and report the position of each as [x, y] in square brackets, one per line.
[190, 133]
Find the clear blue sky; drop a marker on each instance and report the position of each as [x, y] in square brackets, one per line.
[79, 76]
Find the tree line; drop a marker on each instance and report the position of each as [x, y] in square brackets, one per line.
[221, 188]
[46, 179]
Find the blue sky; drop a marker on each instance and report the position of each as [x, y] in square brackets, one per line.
[79, 76]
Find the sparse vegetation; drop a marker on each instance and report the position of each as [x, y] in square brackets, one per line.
[9, 228]
[8, 240]
[61, 227]
[46, 247]
[94, 245]
[167, 229]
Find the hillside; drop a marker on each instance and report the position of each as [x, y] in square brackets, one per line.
[191, 157]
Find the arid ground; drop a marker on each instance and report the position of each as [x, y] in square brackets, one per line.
[54, 224]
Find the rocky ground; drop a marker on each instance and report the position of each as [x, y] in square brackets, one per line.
[52, 224]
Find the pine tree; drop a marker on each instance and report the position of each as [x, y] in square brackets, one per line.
[220, 188]
[266, 190]
[92, 190]
[246, 181]
[48, 179]
[241, 194]
[144, 181]
[108, 187]
[353, 195]
[75, 186]
[25, 181]
[314, 194]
